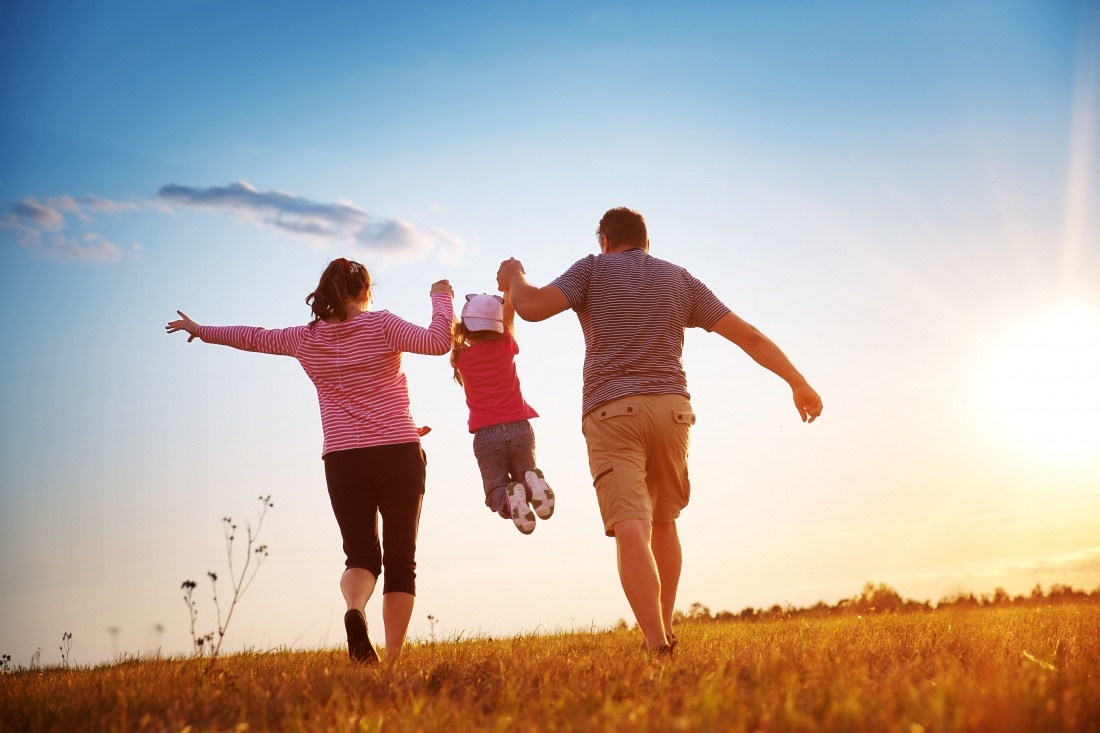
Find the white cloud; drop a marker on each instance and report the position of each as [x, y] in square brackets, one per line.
[1079, 569]
[1079, 562]
[30, 213]
[61, 227]
[321, 224]
[87, 248]
[43, 228]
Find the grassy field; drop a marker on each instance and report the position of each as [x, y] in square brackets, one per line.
[1033, 669]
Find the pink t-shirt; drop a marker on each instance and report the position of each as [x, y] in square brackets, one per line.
[488, 370]
[355, 366]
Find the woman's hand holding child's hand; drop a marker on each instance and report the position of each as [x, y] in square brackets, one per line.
[443, 286]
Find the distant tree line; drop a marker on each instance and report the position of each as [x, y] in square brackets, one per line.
[881, 598]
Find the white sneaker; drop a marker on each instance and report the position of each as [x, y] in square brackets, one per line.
[522, 515]
[542, 496]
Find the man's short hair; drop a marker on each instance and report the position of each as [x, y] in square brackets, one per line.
[623, 226]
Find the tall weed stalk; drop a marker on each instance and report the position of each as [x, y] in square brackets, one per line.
[254, 556]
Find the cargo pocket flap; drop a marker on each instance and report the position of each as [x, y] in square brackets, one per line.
[604, 471]
[627, 409]
[687, 417]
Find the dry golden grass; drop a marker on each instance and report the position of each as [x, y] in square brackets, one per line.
[1035, 669]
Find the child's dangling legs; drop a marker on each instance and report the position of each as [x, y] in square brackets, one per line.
[522, 468]
[505, 493]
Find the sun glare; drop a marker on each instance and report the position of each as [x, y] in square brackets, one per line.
[1042, 385]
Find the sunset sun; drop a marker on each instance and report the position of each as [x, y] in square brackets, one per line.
[1042, 386]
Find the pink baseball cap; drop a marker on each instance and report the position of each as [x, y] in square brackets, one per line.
[484, 312]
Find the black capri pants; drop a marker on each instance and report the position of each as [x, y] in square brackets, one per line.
[386, 481]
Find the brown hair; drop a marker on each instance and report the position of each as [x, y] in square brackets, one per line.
[343, 281]
[462, 338]
[623, 226]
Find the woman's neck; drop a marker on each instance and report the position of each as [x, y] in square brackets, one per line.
[352, 310]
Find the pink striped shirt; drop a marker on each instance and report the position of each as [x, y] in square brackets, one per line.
[356, 368]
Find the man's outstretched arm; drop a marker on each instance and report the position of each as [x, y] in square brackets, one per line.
[531, 303]
[765, 353]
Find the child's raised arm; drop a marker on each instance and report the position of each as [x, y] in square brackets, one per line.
[509, 312]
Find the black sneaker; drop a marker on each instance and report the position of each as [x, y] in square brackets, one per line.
[359, 647]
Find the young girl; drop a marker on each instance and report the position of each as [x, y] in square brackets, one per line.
[374, 465]
[483, 357]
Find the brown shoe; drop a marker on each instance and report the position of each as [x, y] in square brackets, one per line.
[359, 647]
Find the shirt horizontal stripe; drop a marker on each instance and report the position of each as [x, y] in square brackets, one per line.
[633, 310]
[356, 368]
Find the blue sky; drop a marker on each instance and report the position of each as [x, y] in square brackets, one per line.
[903, 196]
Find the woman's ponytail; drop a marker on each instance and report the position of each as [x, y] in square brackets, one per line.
[342, 282]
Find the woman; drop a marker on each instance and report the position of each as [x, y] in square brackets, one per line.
[374, 465]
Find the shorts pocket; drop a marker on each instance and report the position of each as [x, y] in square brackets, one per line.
[684, 417]
[607, 491]
[624, 409]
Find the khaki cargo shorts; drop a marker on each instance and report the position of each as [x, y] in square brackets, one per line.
[637, 452]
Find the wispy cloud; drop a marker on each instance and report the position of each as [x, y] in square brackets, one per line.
[321, 224]
[1085, 561]
[57, 227]
[1079, 569]
[64, 227]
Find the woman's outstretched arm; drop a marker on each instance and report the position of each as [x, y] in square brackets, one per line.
[278, 341]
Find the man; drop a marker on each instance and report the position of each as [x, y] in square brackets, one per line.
[633, 310]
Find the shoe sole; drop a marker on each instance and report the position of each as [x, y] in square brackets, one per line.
[359, 647]
[522, 516]
[542, 496]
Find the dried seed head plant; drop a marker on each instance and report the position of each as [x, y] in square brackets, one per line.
[254, 556]
[66, 648]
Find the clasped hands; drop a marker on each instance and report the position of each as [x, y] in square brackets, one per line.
[508, 270]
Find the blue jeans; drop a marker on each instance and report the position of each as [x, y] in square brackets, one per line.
[505, 452]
